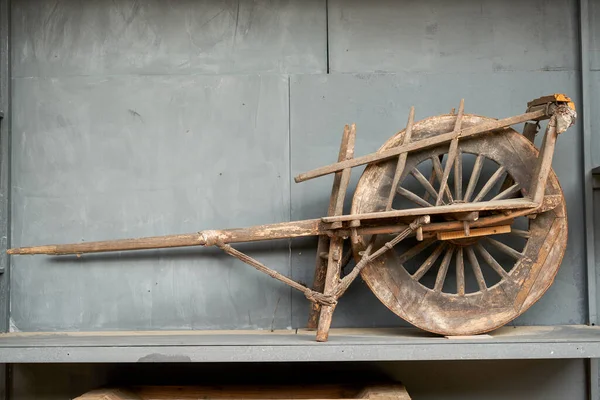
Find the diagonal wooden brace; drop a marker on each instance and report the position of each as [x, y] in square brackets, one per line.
[313, 296]
[368, 256]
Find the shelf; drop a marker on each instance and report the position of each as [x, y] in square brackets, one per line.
[531, 342]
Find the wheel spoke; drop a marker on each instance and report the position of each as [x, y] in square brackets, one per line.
[474, 177]
[458, 176]
[476, 269]
[443, 271]
[437, 165]
[491, 261]
[505, 248]
[413, 197]
[407, 255]
[430, 190]
[507, 192]
[430, 180]
[521, 233]
[489, 184]
[429, 262]
[460, 272]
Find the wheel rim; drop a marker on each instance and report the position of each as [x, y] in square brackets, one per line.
[473, 285]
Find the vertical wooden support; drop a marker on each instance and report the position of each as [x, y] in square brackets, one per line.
[452, 153]
[401, 159]
[530, 130]
[336, 244]
[348, 139]
[544, 163]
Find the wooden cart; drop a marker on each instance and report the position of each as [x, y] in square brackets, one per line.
[458, 223]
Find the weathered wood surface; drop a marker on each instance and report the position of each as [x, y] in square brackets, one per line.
[452, 152]
[252, 234]
[336, 244]
[310, 294]
[324, 240]
[109, 394]
[490, 125]
[516, 285]
[473, 232]
[390, 391]
[401, 159]
[563, 118]
[509, 204]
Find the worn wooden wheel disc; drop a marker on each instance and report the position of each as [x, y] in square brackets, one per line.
[463, 287]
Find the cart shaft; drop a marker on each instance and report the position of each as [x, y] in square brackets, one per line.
[282, 230]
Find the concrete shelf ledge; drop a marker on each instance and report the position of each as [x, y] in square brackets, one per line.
[393, 344]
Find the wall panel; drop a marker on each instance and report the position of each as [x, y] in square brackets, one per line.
[116, 157]
[106, 37]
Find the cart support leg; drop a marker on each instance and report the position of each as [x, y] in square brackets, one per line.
[336, 202]
[332, 279]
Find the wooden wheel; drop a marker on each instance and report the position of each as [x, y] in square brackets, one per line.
[471, 285]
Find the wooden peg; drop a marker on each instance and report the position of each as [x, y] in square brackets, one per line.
[420, 234]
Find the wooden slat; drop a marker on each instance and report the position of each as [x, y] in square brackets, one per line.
[252, 392]
[336, 246]
[452, 208]
[323, 246]
[401, 159]
[452, 152]
[544, 163]
[421, 144]
[345, 178]
[458, 176]
[109, 394]
[492, 230]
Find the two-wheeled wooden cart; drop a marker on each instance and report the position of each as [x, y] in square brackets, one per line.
[456, 193]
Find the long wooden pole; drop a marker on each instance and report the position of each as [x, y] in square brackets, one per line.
[284, 230]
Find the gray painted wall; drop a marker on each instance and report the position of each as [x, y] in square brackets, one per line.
[150, 118]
